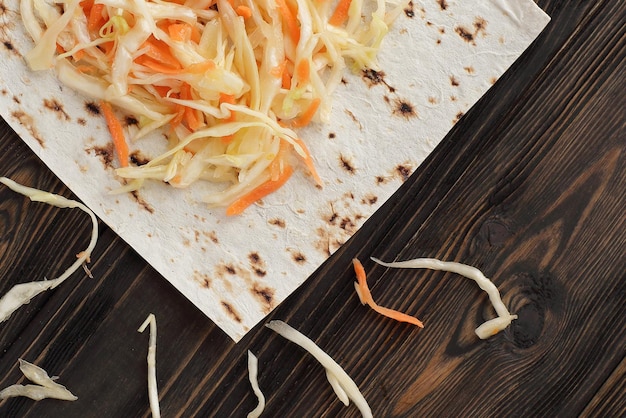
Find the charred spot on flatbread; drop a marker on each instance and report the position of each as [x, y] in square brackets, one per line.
[202, 279]
[443, 4]
[298, 257]
[332, 135]
[354, 118]
[373, 77]
[138, 159]
[457, 117]
[105, 153]
[265, 295]
[28, 122]
[404, 108]
[142, 203]
[408, 10]
[131, 121]
[346, 164]
[56, 107]
[257, 264]
[465, 34]
[381, 180]
[230, 310]
[480, 28]
[403, 171]
[369, 199]
[277, 222]
[92, 108]
[454, 82]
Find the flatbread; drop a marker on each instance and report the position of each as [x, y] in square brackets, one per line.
[438, 60]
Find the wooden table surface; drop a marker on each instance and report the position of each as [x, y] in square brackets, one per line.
[530, 187]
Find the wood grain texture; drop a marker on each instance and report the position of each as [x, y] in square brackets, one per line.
[530, 187]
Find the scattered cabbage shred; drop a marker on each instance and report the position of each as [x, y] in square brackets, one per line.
[253, 370]
[44, 387]
[153, 394]
[488, 328]
[230, 79]
[21, 294]
[342, 384]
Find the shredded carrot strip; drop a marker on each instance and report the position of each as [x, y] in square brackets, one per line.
[189, 114]
[308, 161]
[341, 13]
[230, 99]
[201, 67]
[96, 18]
[156, 66]
[244, 11]
[180, 32]
[160, 52]
[303, 72]
[260, 192]
[366, 298]
[279, 69]
[286, 82]
[278, 162]
[78, 55]
[305, 118]
[117, 133]
[290, 20]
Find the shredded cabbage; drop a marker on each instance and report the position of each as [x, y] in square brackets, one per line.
[44, 387]
[153, 394]
[486, 329]
[231, 79]
[22, 293]
[342, 384]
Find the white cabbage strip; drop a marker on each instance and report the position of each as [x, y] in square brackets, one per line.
[339, 377]
[253, 369]
[153, 394]
[21, 294]
[490, 327]
[45, 386]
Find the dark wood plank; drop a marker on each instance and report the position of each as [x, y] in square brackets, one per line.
[529, 186]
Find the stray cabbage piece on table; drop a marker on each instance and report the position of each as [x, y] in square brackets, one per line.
[342, 384]
[153, 394]
[44, 387]
[253, 369]
[227, 81]
[21, 294]
[488, 328]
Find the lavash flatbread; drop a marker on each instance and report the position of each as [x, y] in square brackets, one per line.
[438, 60]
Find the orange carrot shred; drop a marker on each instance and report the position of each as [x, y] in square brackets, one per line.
[341, 13]
[366, 298]
[179, 32]
[290, 20]
[96, 19]
[230, 99]
[259, 192]
[305, 118]
[278, 70]
[117, 133]
[279, 161]
[308, 161]
[201, 67]
[302, 70]
[159, 51]
[244, 11]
